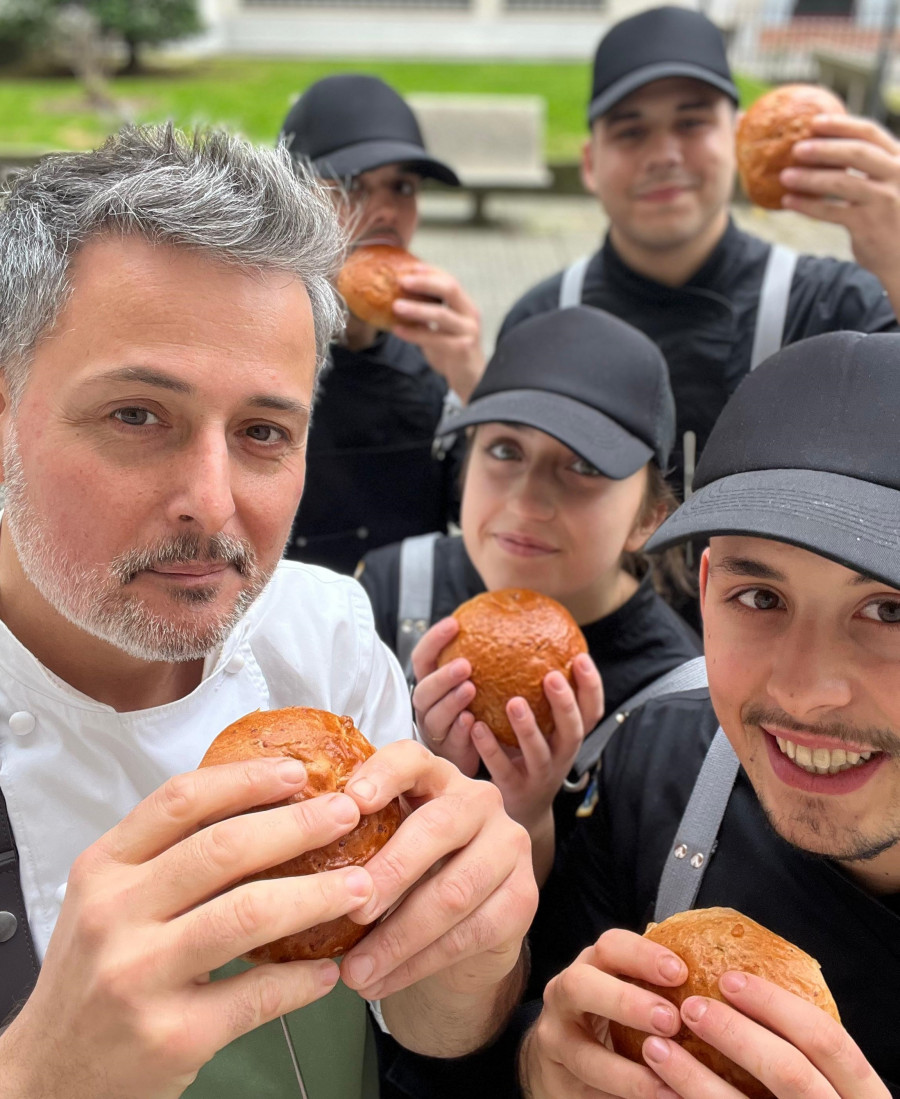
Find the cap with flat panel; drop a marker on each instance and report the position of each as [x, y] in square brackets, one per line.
[653, 45]
[351, 123]
[805, 452]
[588, 379]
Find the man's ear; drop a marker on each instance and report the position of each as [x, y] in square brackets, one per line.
[704, 578]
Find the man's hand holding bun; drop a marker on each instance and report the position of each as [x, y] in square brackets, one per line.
[124, 991]
[625, 1020]
[446, 960]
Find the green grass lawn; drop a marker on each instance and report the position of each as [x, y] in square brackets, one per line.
[252, 95]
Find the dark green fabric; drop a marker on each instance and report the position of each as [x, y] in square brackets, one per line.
[332, 1042]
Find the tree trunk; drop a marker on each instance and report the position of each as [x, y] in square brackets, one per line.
[133, 65]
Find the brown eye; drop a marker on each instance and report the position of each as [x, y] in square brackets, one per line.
[759, 599]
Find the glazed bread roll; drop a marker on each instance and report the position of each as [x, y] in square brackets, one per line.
[330, 747]
[512, 638]
[768, 131]
[711, 941]
[369, 282]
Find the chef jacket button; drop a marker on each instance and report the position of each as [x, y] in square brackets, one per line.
[22, 723]
[235, 664]
[8, 925]
[60, 895]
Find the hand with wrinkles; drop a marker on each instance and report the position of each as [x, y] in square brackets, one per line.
[448, 330]
[123, 1005]
[794, 1048]
[461, 870]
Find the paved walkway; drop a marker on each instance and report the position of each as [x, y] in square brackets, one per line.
[531, 237]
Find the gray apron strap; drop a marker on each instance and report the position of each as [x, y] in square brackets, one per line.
[18, 958]
[414, 605]
[773, 303]
[686, 677]
[695, 839]
[572, 283]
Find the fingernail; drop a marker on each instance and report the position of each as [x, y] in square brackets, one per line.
[460, 669]
[663, 1019]
[343, 810]
[328, 975]
[656, 1050]
[672, 968]
[362, 788]
[694, 1008]
[517, 708]
[291, 771]
[733, 982]
[360, 968]
[359, 883]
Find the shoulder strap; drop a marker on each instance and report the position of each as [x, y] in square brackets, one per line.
[18, 958]
[773, 303]
[573, 283]
[414, 604]
[695, 839]
[686, 677]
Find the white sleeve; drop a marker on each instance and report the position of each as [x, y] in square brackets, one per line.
[381, 693]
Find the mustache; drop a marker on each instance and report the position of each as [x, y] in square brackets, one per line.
[184, 549]
[882, 740]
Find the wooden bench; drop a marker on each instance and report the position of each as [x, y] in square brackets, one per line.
[492, 142]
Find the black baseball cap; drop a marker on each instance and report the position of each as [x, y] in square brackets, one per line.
[588, 379]
[653, 45]
[350, 123]
[805, 452]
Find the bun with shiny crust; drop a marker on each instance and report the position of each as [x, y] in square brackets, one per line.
[369, 282]
[711, 941]
[513, 638]
[330, 747]
[768, 131]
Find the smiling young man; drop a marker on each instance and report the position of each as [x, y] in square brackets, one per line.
[165, 304]
[377, 477]
[660, 159]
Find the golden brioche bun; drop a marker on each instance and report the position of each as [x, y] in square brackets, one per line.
[768, 131]
[369, 282]
[711, 941]
[330, 747]
[512, 638]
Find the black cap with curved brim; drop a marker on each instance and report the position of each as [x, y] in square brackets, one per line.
[653, 45]
[805, 452]
[351, 123]
[588, 379]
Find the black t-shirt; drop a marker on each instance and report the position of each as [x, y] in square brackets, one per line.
[372, 477]
[705, 328]
[610, 874]
[636, 644]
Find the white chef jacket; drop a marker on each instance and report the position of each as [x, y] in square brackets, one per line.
[71, 768]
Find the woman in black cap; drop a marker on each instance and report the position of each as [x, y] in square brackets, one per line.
[569, 435]
[374, 477]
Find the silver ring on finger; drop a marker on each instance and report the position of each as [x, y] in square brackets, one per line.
[433, 326]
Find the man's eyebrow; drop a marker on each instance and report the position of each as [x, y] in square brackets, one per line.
[623, 115]
[280, 404]
[696, 104]
[145, 375]
[746, 566]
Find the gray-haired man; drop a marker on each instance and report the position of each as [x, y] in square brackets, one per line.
[164, 307]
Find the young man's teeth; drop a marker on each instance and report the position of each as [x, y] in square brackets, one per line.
[821, 761]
